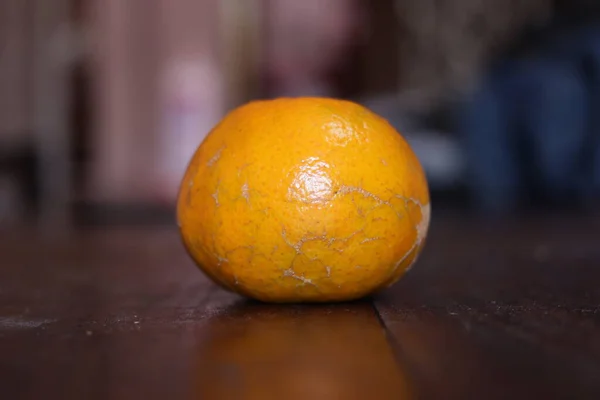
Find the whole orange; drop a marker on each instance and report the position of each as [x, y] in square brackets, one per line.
[304, 200]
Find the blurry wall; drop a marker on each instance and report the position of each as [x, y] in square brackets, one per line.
[148, 53]
[15, 71]
[158, 74]
[444, 45]
[16, 106]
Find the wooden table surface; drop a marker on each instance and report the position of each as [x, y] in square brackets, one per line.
[508, 311]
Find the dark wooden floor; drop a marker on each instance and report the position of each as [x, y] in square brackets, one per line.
[508, 311]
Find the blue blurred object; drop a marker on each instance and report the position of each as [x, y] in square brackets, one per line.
[532, 117]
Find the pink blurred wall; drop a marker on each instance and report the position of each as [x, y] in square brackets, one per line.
[137, 44]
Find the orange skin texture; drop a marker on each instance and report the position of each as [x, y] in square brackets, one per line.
[304, 200]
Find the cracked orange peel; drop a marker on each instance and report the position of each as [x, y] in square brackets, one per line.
[304, 200]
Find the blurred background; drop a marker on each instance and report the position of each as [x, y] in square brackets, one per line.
[102, 102]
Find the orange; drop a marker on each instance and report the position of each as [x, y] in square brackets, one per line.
[304, 200]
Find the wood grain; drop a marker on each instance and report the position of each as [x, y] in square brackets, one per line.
[123, 314]
[497, 311]
[509, 311]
